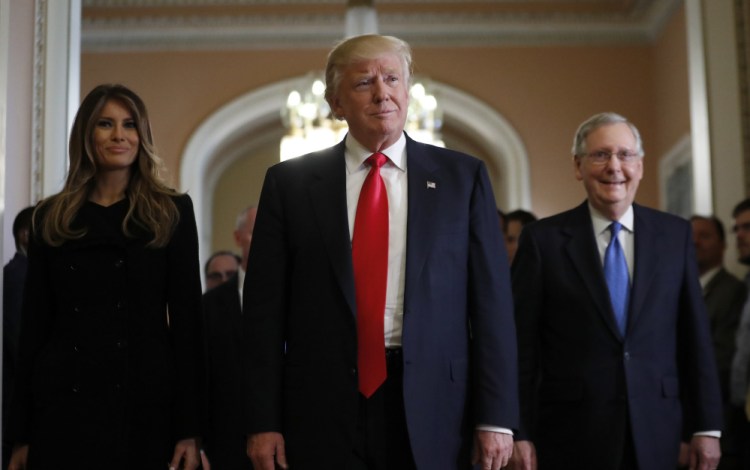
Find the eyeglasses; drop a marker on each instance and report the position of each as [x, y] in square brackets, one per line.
[602, 157]
[744, 227]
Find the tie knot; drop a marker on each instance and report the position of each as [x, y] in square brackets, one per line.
[615, 228]
[377, 159]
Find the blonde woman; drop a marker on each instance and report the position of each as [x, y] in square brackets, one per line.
[111, 358]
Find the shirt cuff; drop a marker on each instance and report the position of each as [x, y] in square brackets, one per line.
[486, 427]
[716, 434]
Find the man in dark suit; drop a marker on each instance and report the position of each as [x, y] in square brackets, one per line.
[739, 390]
[615, 351]
[225, 439]
[724, 295]
[723, 292]
[446, 377]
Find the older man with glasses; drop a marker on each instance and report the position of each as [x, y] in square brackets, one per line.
[615, 353]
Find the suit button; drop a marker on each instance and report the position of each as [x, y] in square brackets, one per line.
[77, 309]
[353, 371]
[119, 263]
[122, 344]
[626, 356]
[75, 388]
[119, 305]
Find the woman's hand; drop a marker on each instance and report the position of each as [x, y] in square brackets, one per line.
[18, 458]
[186, 455]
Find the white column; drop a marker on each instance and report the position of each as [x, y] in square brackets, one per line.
[57, 55]
[699, 117]
[716, 113]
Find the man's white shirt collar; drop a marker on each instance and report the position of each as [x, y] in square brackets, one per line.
[356, 153]
[601, 223]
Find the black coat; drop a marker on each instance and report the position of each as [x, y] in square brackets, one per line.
[14, 276]
[111, 355]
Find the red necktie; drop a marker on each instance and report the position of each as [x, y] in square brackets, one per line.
[370, 259]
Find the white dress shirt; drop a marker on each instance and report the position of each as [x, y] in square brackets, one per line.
[625, 236]
[393, 173]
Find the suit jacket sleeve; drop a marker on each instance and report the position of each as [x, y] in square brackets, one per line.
[698, 374]
[491, 313]
[264, 295]
[528, 296]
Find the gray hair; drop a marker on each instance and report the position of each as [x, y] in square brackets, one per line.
[596, 121]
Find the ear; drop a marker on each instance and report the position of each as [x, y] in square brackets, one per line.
[335, 103]
[577, 168]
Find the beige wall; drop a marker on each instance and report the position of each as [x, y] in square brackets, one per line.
[544, 92]
[671, 89]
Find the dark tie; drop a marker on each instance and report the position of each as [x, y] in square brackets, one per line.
[370, 259]
[618, 280]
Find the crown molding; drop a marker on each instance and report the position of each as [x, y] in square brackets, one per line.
[265, 31]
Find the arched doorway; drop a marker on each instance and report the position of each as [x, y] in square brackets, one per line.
[205, 157]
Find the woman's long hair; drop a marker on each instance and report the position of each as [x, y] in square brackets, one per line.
[151, 205]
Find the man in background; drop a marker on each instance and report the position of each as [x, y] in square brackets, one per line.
[515, 221]
[225, 438]
[739, 384]
[220, 267]
[724, 295]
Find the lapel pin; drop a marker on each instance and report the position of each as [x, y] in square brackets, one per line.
[431, 185]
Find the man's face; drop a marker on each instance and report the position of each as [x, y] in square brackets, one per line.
[742, 232]
[709, 248]
[220, 270]
[512, 232]
[373, 98]
[611, 186]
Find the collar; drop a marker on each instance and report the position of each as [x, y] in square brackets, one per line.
[356, 154]
[708, 276]
[601, 223]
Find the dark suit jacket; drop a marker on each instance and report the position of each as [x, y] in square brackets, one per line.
[300, 313]
[725, 296]
[224, 439]
[582, 384]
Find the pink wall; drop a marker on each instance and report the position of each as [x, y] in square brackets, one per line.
[544, 92]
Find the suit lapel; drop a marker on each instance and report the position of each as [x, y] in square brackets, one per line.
[715, 281]
[327, 193]
[421, 210]
[583, 254]
[647, 259]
